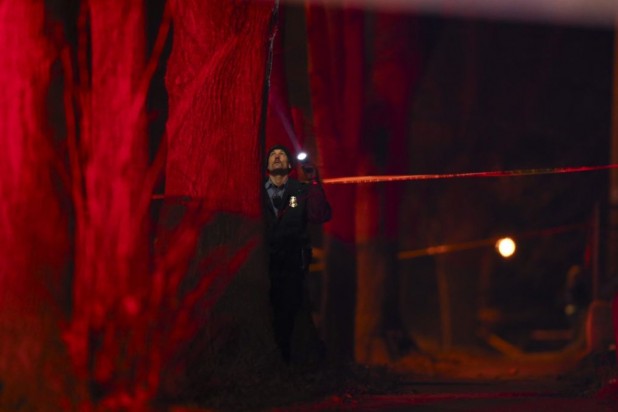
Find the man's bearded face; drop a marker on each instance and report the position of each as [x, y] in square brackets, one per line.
[278, 163]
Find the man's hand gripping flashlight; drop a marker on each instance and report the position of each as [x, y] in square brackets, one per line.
[308, 168]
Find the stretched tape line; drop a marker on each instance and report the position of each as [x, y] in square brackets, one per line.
[498, 173]
[401, 178]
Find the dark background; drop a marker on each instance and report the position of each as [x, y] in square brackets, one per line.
[497, 95]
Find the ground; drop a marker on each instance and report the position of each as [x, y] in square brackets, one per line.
[457, 380]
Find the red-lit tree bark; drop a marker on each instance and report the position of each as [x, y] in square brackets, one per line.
[34, 246]
[380, 337]
[215, 79]
[336, 75]
[112, 280]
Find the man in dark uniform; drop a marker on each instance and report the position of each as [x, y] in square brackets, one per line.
[289, 205]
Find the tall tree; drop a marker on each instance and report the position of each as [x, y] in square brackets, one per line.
[216, 84]
[109, 153]
[279, 123]
[34, 246]
[336, 75]
[393, 72]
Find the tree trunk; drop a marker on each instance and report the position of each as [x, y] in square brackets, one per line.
[215, 79]
[108, 336]
[612, 232]
[337, 85]
[280, 127]
[380, 337]
[34, 247]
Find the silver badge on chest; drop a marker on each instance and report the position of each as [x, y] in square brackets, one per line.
[293, 201]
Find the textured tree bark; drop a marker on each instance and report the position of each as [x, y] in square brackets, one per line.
[215, 79]
[34, 369]
[107, 337]
[337, 83]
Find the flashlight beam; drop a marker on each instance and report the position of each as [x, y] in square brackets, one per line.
[498, 173]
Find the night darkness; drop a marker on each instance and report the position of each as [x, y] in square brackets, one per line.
[508, 96]
[132, 254]
[490, 96]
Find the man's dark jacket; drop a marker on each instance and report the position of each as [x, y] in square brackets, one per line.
[287, 234]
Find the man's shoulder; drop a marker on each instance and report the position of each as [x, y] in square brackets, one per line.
[295, 184]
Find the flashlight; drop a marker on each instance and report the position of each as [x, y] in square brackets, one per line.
[307, 167]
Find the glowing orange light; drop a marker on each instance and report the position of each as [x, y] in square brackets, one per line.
[506, 247]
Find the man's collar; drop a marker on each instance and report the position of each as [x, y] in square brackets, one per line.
[270, 183]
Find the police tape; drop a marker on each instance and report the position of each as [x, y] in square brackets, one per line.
[487, 174]
[412, 177]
